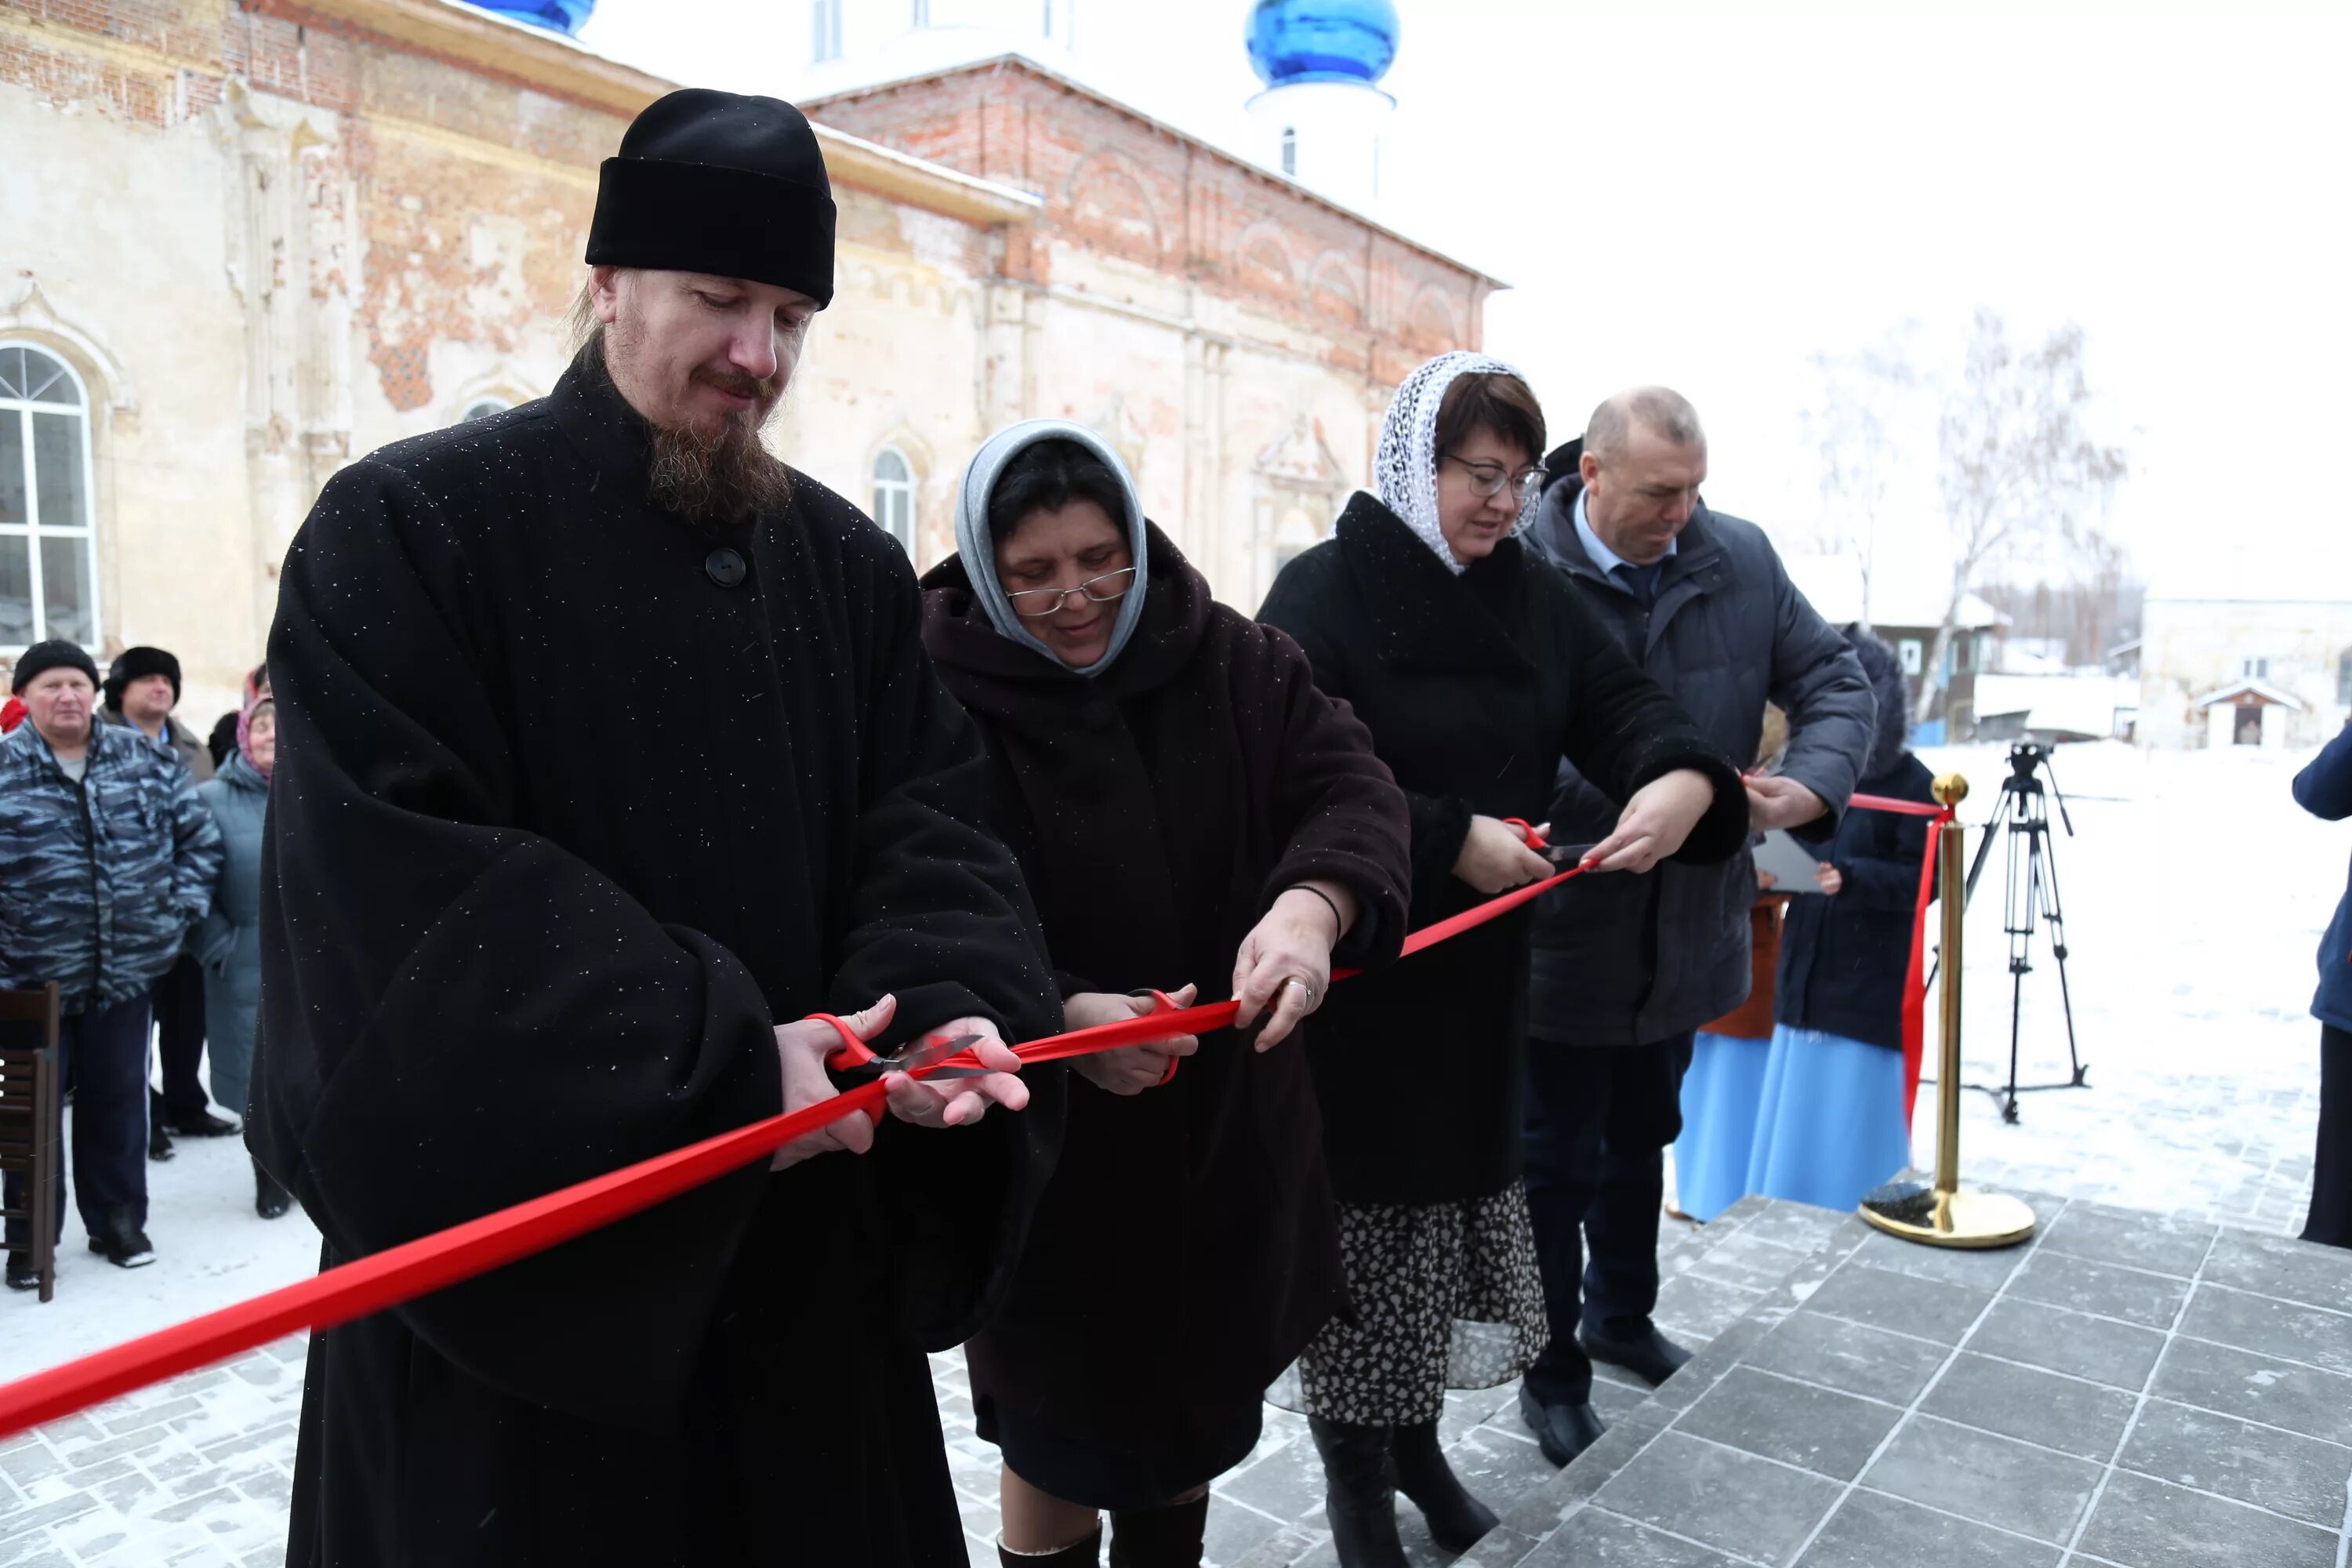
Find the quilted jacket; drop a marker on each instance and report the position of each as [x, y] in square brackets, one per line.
[99, 880]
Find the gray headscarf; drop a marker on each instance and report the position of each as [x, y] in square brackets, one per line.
[1404, 464]
[978, 551]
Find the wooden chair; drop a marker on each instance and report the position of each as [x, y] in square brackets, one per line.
[29, 1119]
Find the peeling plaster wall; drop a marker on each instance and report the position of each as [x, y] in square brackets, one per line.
[120, 226]
[298, 239]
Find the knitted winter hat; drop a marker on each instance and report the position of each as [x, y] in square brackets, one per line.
[55, 653]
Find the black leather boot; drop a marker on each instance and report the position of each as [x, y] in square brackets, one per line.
[120, 1240]
[1161, 1537]
[1456, 1519]
[1087, 1553]
[270, 1201]
[1360, 1491]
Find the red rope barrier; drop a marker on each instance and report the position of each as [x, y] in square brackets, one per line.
[399, 1274]
[1915, 979]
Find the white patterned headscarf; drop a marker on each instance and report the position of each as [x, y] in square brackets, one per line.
[1404, 464]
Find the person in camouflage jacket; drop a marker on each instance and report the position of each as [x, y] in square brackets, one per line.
[100, 881]
[107, 857]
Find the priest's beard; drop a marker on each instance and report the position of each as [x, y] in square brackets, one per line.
[717, 478]
[716, 475]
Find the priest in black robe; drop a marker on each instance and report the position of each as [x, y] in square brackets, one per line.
[609, 751]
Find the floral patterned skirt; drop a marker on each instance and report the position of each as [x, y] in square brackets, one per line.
[1446, 1296]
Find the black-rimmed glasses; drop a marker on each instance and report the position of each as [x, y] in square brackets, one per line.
[1490, 478]
[1036, 604]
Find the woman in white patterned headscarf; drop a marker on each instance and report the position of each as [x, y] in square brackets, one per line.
[1477, 670]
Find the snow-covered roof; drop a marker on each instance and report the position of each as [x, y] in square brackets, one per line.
[2074, 703]
[1833, 586]
[2260, 690]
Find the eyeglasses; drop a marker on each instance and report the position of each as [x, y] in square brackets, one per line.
[1489, 478]
[1035, 604]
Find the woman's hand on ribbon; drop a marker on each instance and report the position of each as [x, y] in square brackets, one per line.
[959, 1102]
[1495, 858]
[803, 1048]
[1130, 1069]
[1284, 967]
[1656, 822]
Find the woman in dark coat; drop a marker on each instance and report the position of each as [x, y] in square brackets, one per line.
[1177, 792]
[1477, 667]
[1830, 1123]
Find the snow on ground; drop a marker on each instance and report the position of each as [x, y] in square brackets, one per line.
[211, 1249]
[2195, 892]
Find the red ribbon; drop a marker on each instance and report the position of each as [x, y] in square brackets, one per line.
[1915, 980]
[398, 1274]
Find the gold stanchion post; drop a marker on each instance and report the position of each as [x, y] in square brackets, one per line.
[1944, 1215]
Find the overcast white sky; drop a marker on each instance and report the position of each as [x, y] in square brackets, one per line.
[1709, 200]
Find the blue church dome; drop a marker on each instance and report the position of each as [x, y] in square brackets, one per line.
[556, 15]
[1322, 41]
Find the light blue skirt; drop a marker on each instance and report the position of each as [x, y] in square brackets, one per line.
[1720, 1095]
[1830, 1124]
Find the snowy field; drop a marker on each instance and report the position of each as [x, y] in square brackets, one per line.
[2195, 891]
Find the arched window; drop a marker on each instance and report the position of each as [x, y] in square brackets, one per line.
[48, 556]
[483, 407]
[894, 495]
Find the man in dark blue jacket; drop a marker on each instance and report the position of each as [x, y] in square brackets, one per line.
[1627, 968]
[2325, 790]
[107, 857]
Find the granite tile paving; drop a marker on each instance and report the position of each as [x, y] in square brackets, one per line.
[2126, 1391]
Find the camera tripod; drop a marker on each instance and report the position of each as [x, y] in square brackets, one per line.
[2031, 901]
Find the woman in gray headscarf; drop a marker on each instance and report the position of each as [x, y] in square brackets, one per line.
[1477, 668]
[1190, 814]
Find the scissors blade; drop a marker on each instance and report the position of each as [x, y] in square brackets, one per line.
[1568, 854]
[921, 1054]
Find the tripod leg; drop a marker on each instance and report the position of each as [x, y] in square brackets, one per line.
[2057, 918]
[2022, 907]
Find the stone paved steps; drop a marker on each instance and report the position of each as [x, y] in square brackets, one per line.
[2126, 1391]
[1269, 1512]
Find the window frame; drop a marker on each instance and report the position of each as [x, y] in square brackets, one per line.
[904, 488]
[33, 529]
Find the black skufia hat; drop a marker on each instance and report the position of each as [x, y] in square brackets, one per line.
[719, 183]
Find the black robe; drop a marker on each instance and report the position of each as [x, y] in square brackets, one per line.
[1473, 687]
[1187, 1249]
[571, 807]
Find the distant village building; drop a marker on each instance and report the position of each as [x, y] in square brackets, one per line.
[2247, 671]
[249, 241]
[1908, 612]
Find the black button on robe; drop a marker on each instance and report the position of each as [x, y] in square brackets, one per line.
[562, 826]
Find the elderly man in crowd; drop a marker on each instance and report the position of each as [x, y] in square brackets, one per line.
[142, 688]
[495, 962]
[107, 857]
[1626, 969]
